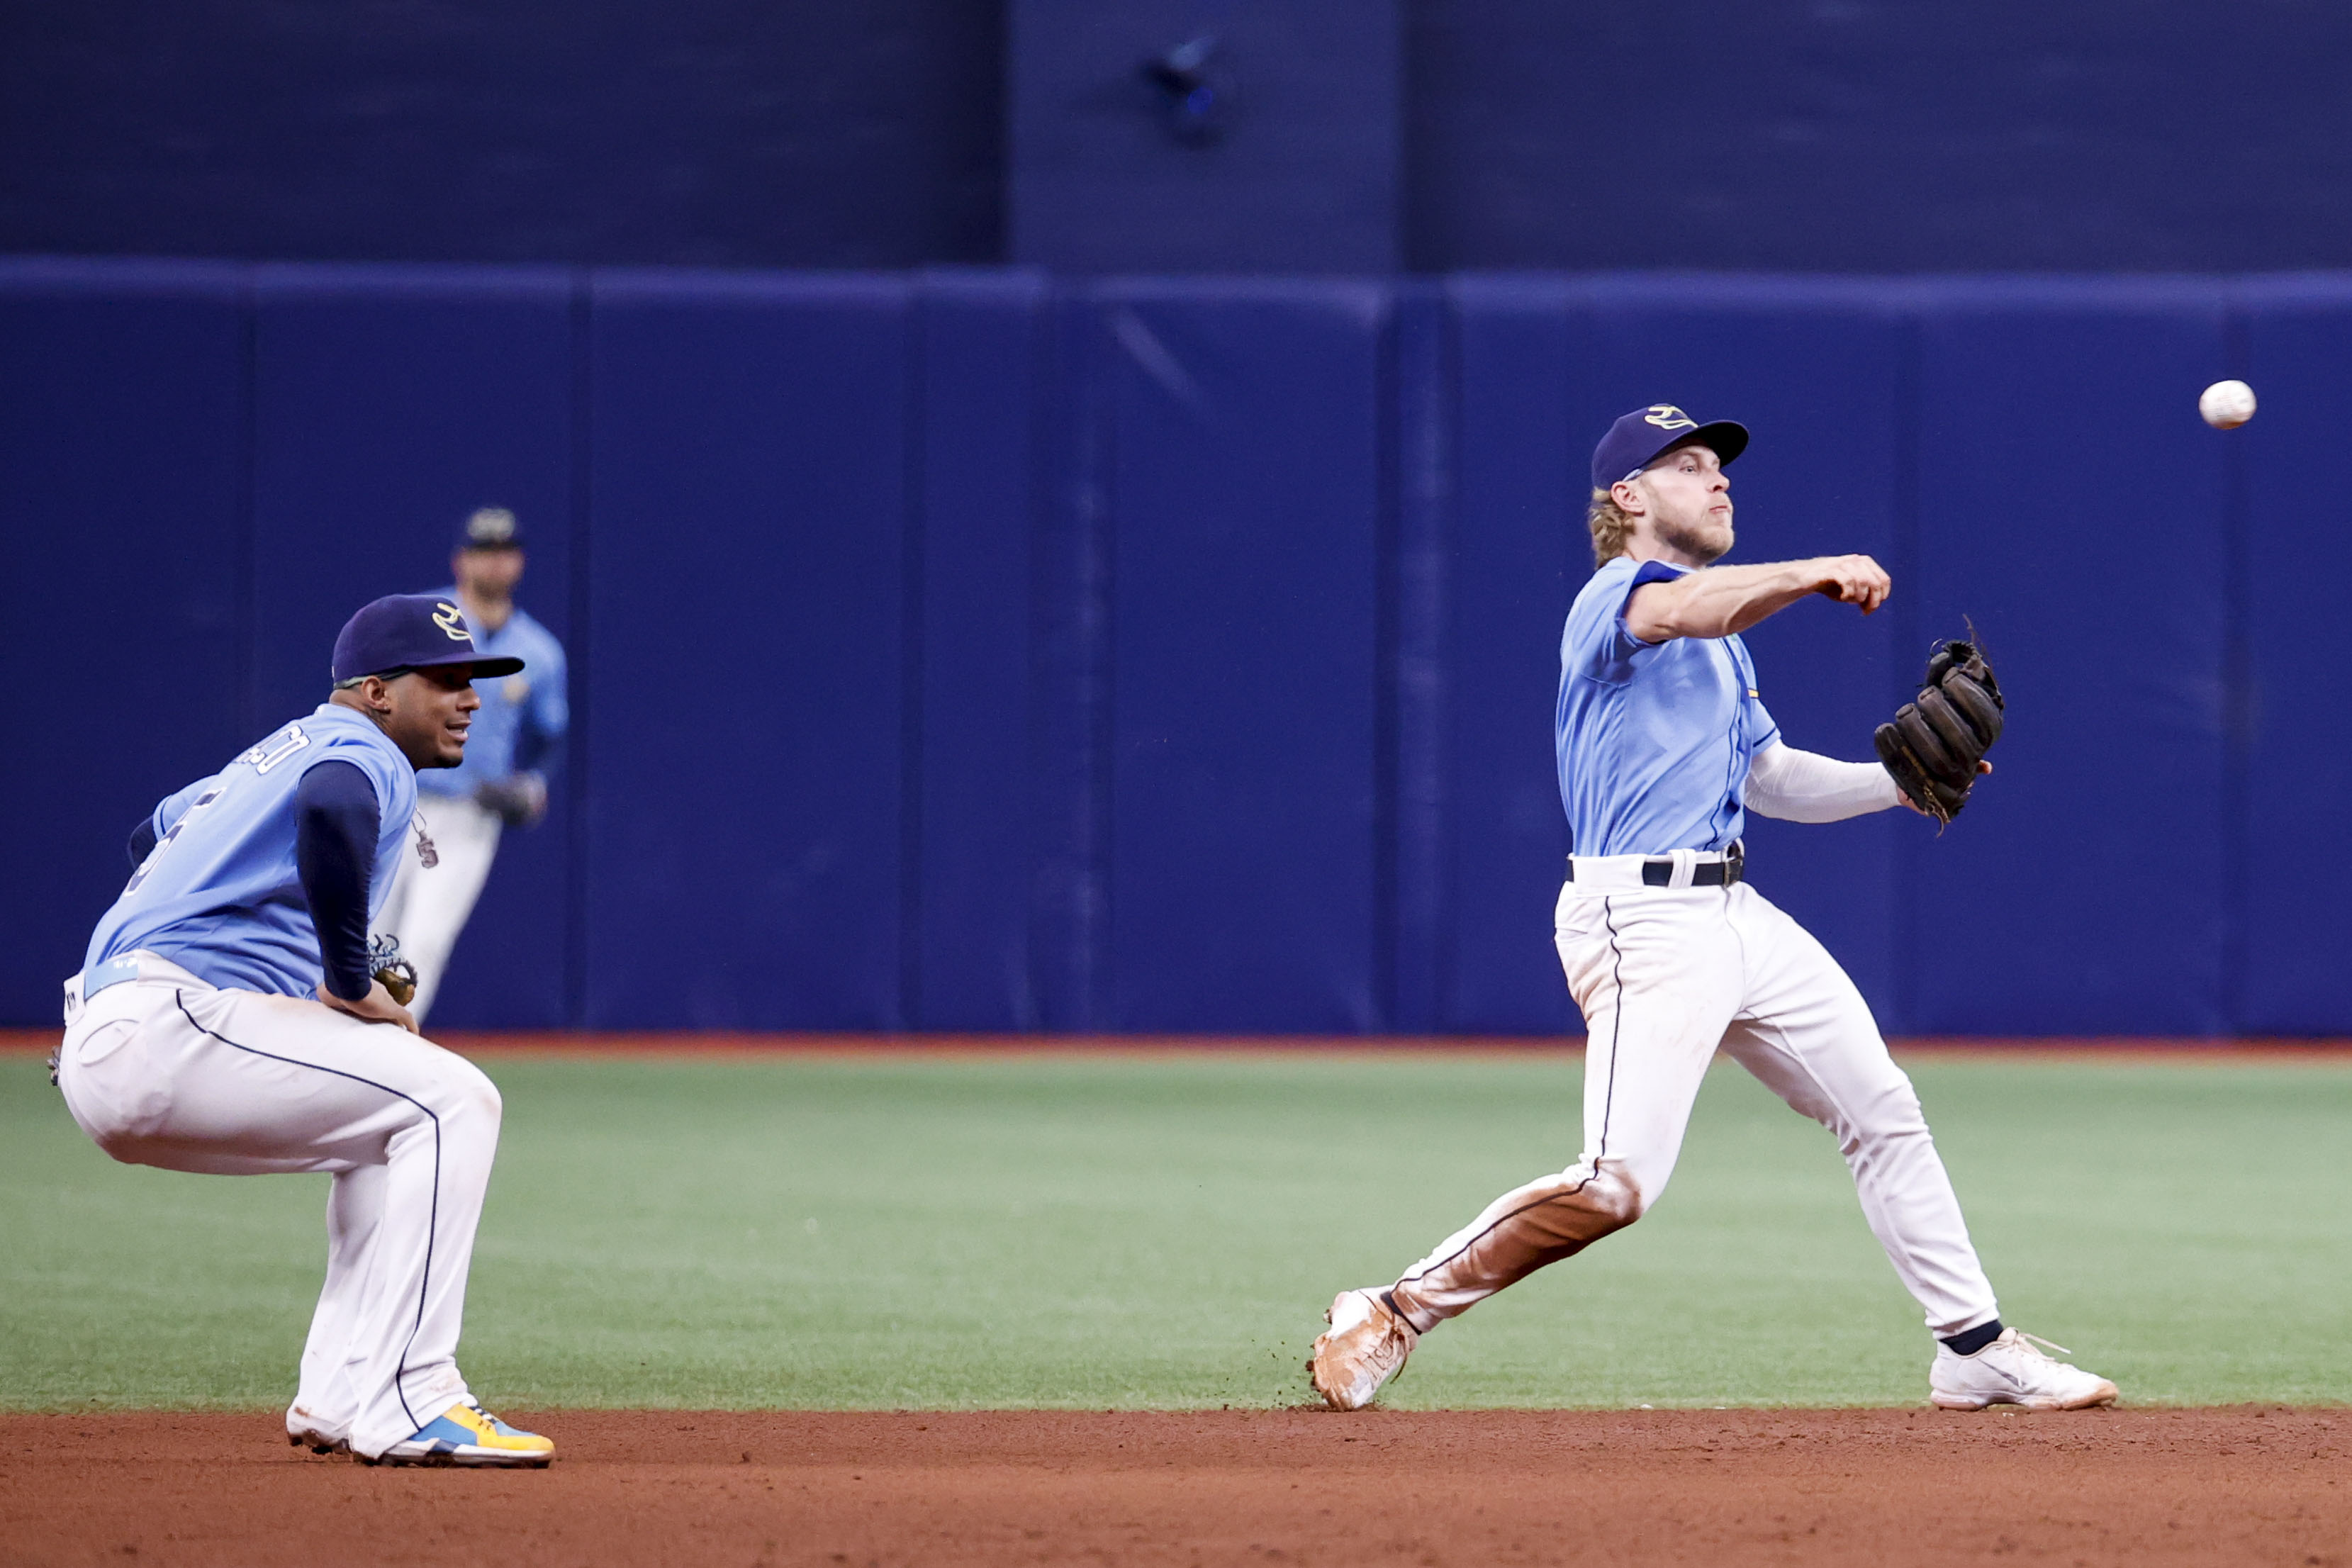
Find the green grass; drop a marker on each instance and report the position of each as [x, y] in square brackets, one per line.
[1164, 1232]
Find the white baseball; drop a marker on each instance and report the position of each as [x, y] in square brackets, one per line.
[2226, 405]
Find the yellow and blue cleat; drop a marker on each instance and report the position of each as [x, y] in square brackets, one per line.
[466, 1434]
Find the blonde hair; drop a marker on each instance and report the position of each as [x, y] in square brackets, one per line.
[1610, 527]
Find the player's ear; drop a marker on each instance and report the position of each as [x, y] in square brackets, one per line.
[1628, 498]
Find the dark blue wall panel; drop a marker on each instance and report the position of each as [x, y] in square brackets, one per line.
[975, 652]
[2071, 508]
[1423, 436]
[1246, 496]
[123, 396]
[747, 712]
[984, 361]
[389, 403]
[1518, 553]
[2297, 559]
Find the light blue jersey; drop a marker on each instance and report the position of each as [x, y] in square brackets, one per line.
[219, 895]
[1652, 740]
[523, 717]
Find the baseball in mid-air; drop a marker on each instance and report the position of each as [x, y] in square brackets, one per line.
[2226, 405]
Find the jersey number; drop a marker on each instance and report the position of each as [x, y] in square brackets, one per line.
[164, 843]
[262, 759]
[265, 758]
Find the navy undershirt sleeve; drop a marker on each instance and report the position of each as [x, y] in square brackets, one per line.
[337, 823]
[143, 841]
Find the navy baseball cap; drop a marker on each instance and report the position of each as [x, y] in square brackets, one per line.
[1645, 435]
[490, 528]
[411, 631]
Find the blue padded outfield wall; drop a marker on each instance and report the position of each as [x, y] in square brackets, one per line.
[980, 651]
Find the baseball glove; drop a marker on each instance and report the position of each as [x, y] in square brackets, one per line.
[386, 964]
[1934, 745]
[519, 802]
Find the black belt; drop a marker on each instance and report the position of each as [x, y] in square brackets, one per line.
[1721, 873]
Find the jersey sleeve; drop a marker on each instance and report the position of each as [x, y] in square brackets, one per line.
[1600, 645]
[376, 758]
[551, 709]
[547, 712]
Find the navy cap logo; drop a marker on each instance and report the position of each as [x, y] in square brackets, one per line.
[446, 616]
[1667, 416]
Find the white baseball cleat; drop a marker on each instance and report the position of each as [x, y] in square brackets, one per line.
[2014, 1370]
[1366, 1347]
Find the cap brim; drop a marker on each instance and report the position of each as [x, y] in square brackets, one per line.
[1726, 438]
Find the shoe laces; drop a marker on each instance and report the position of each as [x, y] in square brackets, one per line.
[2038, 1341]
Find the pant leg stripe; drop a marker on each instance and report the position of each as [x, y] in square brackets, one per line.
[1616, 1029]
[433, 1211]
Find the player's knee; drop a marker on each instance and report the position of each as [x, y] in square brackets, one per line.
[470, 1095]
[1615, 1198]
[1893, 1112]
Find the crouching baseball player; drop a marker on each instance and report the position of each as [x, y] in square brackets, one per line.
[1662, 745]
[225, 1021]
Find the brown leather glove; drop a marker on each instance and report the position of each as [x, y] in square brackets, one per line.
[1934, 745]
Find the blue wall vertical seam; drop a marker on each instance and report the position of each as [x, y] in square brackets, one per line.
[247, 623]
[1909, 594]
[1041, 942]
[581, 653]
[1097, 413]
[1387, 610]
[913, 610]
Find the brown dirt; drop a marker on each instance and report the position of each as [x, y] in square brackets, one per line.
[2245, 1485]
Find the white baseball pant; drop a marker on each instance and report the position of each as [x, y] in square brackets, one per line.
[166, 1071]
[1667, 976]
[429, 905]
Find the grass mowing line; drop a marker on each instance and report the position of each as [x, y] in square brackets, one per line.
[1161, 1231]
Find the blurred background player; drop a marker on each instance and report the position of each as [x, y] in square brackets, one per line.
[516, 746]
[225, 1021]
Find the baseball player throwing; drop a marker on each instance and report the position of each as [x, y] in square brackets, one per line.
[225, 1021]
[1663, 744]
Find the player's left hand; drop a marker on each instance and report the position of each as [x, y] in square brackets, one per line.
[1935, 746]
[376, 1007]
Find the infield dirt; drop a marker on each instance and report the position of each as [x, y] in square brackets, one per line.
[2242, 1486]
